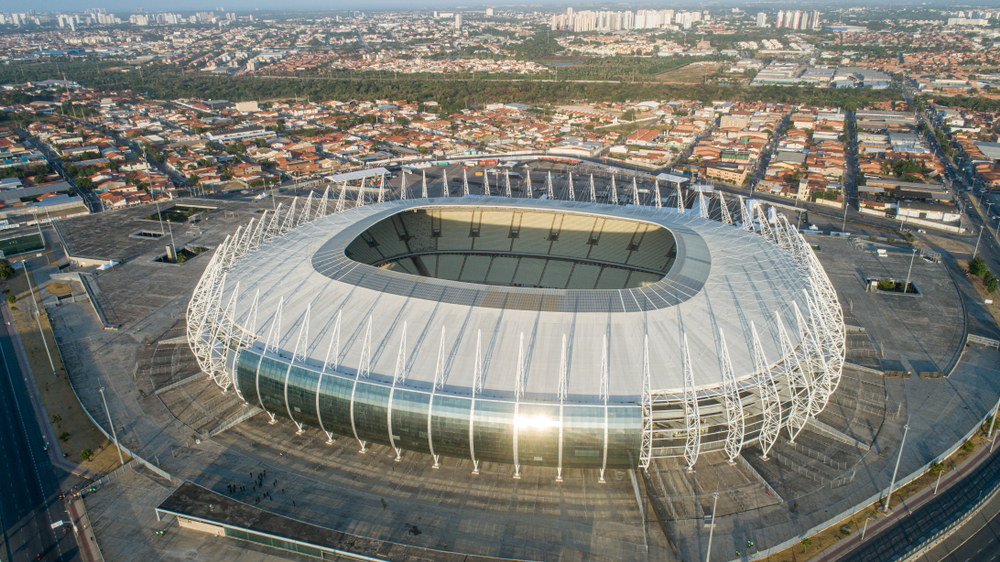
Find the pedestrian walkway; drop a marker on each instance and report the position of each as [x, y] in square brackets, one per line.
[55, 455]
[922, 515]
[84, 532]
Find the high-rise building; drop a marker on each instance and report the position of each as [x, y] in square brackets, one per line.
[815, 19]
[796, 19]
[489, 11]
[780, 22]
[761, 19]
[458, 22]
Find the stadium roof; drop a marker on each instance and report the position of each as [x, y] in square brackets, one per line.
[723, 279]
[358, 175]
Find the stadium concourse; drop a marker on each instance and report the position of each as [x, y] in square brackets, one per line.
[523, 331]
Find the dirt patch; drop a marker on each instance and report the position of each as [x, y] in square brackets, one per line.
[73, 429]
[59, 288]
[688, 74]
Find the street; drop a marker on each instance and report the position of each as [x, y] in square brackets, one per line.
[29, 488]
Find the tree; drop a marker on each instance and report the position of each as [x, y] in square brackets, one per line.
[806, 543]
[991, 285]
[6, 269]
[977, 267]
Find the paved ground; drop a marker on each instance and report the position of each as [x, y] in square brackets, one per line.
[492, 514]
[29, 486]
[123, 517]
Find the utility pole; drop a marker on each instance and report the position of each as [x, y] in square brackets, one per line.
[906, 287]
[892, 484]
[711, 530]
[976, 251]
[114, 435]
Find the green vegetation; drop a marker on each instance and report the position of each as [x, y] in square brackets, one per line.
[177, 213]
[86, 454]
[6, 269]
[169, 82]
[21, 244]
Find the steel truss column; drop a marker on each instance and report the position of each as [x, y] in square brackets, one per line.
[304, 216]
[548, 187]
[381, 189]
[363, 366]
[423, 184]
[563, 388]
[724, 209]
[402, 186]
[635, 192]
[734, 406]
[572, 190]
[770, 403]
[486, 184]
[438, 384]
[593, 192]
[745, 218]
[334, 349]
[289, 222]
[465, 182]
[605, 391]
[646, 448]
[702, 205]
[301, 343]
[692, 417]
[398, 377]
[812, 358]
[246, 340]
[321, 209]
[341, 199]
[444, 183]
[797, 381]
[529, 190]
[506, 184]
[518, 392]
[613, 196]
[656, 194]
[273, 336]
[477, 388]
[680, 199]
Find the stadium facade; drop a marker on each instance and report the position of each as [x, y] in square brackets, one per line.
[522, 331]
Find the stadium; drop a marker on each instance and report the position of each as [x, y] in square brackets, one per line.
[565, 334]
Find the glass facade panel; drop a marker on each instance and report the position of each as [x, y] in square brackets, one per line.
[538, 424]
[624, 436]
[450, 426]
[494, 431]
[246, 375]
[409, 420]
[302, 395]
[583, 436]
[371, 406]
[335, 404]
[271, 380]
[538, 434]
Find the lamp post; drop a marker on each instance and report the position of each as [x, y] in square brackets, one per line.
[976, 251]
[38, 320]
[114, 435]
[892, 484]
[843, 227]
[906, 287]
[711, 530]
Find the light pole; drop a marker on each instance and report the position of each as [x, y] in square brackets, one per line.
[38, 320]
[711, 530]
[114, 435]
[976, 251]
[906, 287]
[892, 484]
[843, 227]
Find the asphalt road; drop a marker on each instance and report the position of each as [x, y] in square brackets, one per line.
[29, 488]
[984, 546]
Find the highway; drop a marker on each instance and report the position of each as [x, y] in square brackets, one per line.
[29, 488]
[984, 546]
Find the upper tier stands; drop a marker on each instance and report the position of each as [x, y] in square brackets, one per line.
[520, 248]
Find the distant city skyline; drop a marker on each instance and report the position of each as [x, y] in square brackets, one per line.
[324, 5]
